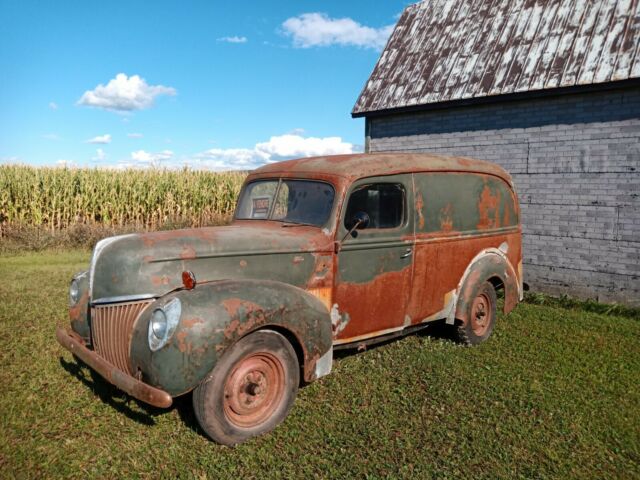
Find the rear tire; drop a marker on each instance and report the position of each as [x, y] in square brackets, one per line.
[481, 316]
[250, 390]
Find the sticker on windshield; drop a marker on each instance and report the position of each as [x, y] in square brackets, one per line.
[260, 207]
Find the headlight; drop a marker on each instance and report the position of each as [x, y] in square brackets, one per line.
[159, 323]
[163, 323]
[74, 292]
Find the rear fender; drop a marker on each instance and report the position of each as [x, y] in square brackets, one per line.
[216, 315]
[490, 264]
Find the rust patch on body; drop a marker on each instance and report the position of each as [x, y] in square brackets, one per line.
[419, 207]
[441, 259]
[446, 218]
[77, 310]
[375, 305]
[324, 294]
[188, 253]
[488, 209]
[233, 306]
[181, 340]
[192, 322]
[237, 328]
[158, 280]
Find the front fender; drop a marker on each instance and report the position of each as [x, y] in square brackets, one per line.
[216, 315]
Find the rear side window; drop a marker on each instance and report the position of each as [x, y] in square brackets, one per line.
[383, 202]
[463, 202]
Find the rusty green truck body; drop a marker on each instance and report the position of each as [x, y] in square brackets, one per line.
[438, 224]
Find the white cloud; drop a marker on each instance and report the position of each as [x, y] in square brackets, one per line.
[282, 147]
[124, 94]
[319, 30]
[51, 136]
[53, 105]
[229, 159]
[234, 39]
[134, 135]
[151, 159]
[100, 139]
[100, 155]
[290, 146]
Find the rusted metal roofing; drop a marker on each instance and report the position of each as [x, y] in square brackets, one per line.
[447, 50]
[377, 164]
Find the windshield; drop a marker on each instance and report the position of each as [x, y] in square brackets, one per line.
[291, 201]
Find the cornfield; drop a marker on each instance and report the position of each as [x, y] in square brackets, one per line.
[59, 198]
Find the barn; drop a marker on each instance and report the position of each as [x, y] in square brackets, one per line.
[550, 90]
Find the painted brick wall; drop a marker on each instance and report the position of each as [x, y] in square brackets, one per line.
[575, 160]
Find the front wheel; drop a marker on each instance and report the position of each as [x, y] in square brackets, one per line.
[250, 390]
[481, 316]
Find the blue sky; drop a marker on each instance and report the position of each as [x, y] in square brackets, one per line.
[210, 84]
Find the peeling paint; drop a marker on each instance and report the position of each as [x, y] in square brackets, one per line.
[188, 253]
[446, 221]
[338, 321]
[488, 208]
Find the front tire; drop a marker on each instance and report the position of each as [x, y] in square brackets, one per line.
[250, 390]
[481, 316]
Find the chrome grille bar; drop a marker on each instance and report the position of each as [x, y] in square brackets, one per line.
[111, 327]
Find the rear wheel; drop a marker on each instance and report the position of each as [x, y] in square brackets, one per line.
[481, 316]
[250, 390]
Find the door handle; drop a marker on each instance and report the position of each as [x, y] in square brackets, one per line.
[407, 253]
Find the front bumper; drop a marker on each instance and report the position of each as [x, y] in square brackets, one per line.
[125, 382]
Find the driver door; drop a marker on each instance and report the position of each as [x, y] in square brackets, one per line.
[374, 264]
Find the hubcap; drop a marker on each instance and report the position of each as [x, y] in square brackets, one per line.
[481, 315]
[254, 389]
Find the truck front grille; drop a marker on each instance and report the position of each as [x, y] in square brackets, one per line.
[111, 327]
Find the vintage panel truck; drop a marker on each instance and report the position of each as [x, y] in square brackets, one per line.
[322, 253]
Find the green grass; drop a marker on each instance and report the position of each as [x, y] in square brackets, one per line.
[553, 394]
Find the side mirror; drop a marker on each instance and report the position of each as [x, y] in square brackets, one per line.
[359, 221]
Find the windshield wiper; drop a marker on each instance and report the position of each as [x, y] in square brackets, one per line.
[298, 224]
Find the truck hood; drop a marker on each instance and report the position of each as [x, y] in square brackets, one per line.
[151, 264]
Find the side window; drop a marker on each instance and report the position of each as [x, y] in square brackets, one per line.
[382, 202]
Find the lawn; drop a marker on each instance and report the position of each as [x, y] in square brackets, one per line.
[553, 394]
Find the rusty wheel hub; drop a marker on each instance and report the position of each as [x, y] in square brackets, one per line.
[481, 314]
[254, 389]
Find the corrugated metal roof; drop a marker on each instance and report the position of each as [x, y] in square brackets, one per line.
[444, 50]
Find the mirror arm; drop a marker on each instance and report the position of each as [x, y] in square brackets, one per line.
[338, 245]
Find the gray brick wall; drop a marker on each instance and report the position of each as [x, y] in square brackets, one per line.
[575, 160]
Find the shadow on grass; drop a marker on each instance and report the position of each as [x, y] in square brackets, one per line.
[184, 406]
[112, 396]
[438, 330]
[145, 414]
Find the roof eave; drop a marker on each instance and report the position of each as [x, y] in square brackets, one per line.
[510, 97]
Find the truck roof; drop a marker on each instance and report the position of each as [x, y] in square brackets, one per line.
[360, 165]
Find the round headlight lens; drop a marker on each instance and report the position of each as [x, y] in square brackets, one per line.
[159, 323]
[163, 323]
[74, 292]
